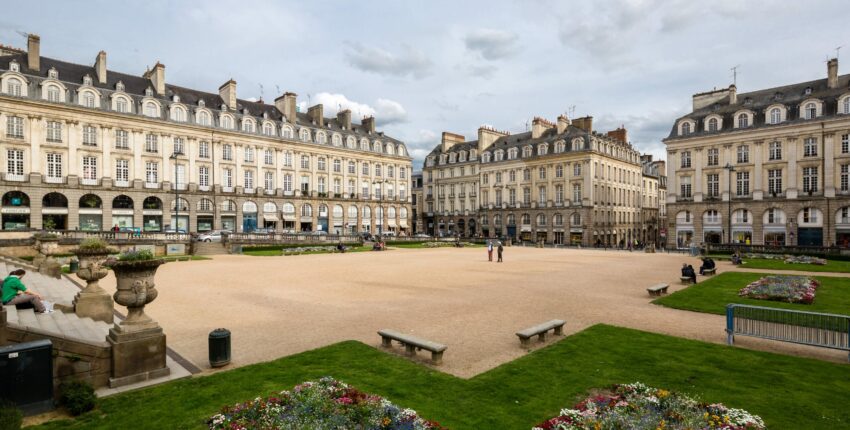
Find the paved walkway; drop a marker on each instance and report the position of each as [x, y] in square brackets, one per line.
[278, 306]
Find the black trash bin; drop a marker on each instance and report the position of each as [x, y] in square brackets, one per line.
[219, 347]
[73, 265]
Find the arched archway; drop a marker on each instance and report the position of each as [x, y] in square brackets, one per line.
[54, 211]
[91, 213]
[152, 214]
[16, 210]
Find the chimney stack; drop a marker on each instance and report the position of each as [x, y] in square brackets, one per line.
[620, 135]
[733, 94]
[157, 78]
[100, 67]
[368, 123]
[343, 117]
[450, 139]
[317, 115]
[34, 52]
[563, 123]
[227, 92]
[487, 136]
[832, 73]
[539, 126]
[585, 123]
[286, 105]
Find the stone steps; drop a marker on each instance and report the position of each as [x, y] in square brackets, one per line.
[67, 325]
[60, 292]
[209, 248]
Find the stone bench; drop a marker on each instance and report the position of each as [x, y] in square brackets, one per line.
[658, 289]
[412, 344]
[540, 331]
[686, 280]
[709, 272]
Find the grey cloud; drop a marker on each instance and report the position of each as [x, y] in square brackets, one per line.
[409, 61]
[389, 112]
[492, 44]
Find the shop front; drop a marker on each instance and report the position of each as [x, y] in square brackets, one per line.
[249, 217]
[228, 222]
[152, 220]
[205, 222]
[123, 218]
[774, 235]
[91, 219]
[576, 235]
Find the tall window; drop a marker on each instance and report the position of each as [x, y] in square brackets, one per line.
[391, 171]
[204, 176]
[541, 196]
[542, 172]
[122, 139]
[305, 161]
[268, 157]
[743, 121]
[287, 182]
[121, 105]
[775, 116]
[498, 177]
[712, 125]
[351, 188]
[845, 172]
[526, 195]
[204, 150]
[811, 111]
[268, 182]
[122, 170]
[352, 167]
[743, 184]
[151, 143]
[686, 128]
[686, 159]
[810, 179]
[810, 147]
[774, 181]
[268, 129]
[559, 193]
[53, 94]
[227, 178]
[845, 141]
[364, 169]
[151, 172]
[322, 164]
[526, 175]
[203, 118]
[847, 105]
[402, 172]
[179, 147]
[498, 197]
[90, 168]
[287, 159]
[15, 162]
[305, 184]
[249, 180]
[685, 187]
[14, 127]
[13, 87]
[54, 165]
[378, 170]
[577, 193]
[744, 154]
[54, 131]
[249, 154]
[775, 151]
[512, 196]
[713, 156]
[227, 152]
[712, 181]
[322, 186]
[337, 186]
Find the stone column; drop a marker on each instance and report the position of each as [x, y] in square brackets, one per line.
[758, 186]
[791, 185]
[829, 165]
[697, 159]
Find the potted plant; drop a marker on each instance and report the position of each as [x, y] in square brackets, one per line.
[134, 273]
[93, 301]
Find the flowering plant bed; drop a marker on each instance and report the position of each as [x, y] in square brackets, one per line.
[804, 259]
[322, 404]
[782, 288]
[637, 406]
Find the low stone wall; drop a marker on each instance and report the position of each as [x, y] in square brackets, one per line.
[73, 359]
[27, 250]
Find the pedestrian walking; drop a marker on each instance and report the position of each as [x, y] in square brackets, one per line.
[499, 250]
[489, 250]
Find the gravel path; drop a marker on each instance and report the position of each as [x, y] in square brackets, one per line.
[278, 306]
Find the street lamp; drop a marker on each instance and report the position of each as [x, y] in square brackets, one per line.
[174, 158]
[730, 169]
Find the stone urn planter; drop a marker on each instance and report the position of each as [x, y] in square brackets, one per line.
[93, 301]
[47, 246]
[138, 343]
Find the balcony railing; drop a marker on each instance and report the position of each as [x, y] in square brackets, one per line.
[55, 179]
[152, 185]
[13, 177]
[122, 184]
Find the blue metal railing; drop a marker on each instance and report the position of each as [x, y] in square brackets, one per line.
[807, 328]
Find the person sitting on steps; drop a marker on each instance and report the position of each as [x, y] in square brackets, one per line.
[15, 293]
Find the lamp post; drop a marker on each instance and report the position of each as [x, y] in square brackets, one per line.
[174, 158]
[729, 169]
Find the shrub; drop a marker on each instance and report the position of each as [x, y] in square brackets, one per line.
[93, 243]
[140, 255]
[78, 397]
[11, 417]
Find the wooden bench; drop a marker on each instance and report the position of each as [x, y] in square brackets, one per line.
[709, 272]
[686, 280]
[540, 331]
[412, 344]
[658, 289]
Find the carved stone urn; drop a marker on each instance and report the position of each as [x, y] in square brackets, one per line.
[138, 343]
[47, 246]
[93, 301]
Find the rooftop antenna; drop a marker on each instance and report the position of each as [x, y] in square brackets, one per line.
[837, 51]
[277, 88]
[261, 91]
[526, 125]
[308, 100]
[735, 74]
[23, 33]
[572, 110]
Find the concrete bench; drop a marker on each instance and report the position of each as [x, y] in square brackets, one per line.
[686, 280]
[540, 331]
[658, 289]
[412, 344]
[709, 272]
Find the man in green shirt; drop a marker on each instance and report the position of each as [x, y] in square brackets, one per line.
[15, 293]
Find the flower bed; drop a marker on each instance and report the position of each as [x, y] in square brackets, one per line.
[782, 288]
[637, 406]
[323, 404]
[804, 259]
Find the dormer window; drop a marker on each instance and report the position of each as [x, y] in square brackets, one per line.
[686, 128]
[86, 80]
[743, 121]
[149, 92]
[119, 86]
[53, 73]
[777, 96]
[807, 91]
[245, 111]
[748, 101]
[811, 110]
[175, 98]
[775, 116]
[712, 125]
[14, 66]
[202, 103]
[266, 115]
[223, 107]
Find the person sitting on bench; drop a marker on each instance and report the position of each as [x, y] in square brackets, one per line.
[688, 272]
[736, 259]
[340, 247]
[707, 263]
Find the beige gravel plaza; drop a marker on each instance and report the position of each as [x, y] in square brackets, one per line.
[278, 306]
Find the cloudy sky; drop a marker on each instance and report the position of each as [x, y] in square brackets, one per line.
[423, 67]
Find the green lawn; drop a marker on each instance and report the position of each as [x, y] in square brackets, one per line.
[788, 392]
[421, 245]
[830, 266]
[713, 294]
[265, 252]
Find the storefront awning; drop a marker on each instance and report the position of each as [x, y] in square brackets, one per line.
[391, 222]
[712, 228]
[290, 218]
[526, 228]
[306, 219]
[270, 218]
[403, 223]
[366, 222]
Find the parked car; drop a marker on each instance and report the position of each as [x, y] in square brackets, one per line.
[388, 234]
[319, 233]
[422, 236]
[263, 230]
[171, 230]
[212, 236]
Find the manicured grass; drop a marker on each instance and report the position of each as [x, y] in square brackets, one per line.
[421, 245]
[788, 392]
[830, 266]
[713, 294]
[278, 252]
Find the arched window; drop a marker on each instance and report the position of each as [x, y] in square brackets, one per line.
[321, 138]
[686, 128]
[558, 220]
[389, 149]
[228, 206]
[122, 202]
[152, 203]
[526, 219]
[575, 219]
[541, 219]
[712, 125]
[775, 116]
[350, 142]
[743, 121]
[53, 94]
[286, 132]
[226, 122]
[268, 129]
[54, 200]
[183, 203]
[306, 210]
[178, 114]
[304, 134]
[14, 86]
[847, 105]
[204, 118]
[247, 126]
[205, 205]
[811, 110]
[352, 213]
[377, 146]
[336, 140]
[91, 201]
[151, 110]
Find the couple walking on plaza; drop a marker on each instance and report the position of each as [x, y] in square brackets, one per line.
[499, 249]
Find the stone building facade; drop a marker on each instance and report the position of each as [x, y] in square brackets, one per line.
[559, 183]
[766, 167]
[84, 147]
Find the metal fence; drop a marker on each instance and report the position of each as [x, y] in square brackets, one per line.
[128, 236]
[306, 238]
[807, 328]
[774, 249]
